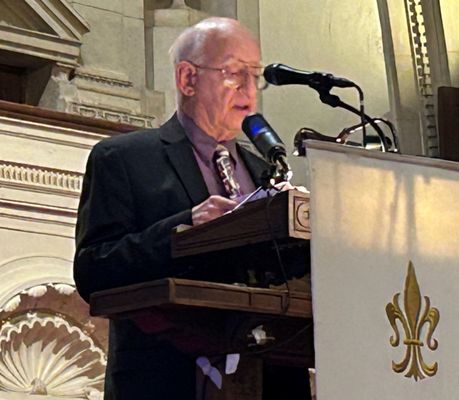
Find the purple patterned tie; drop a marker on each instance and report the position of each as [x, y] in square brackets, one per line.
[225, 170]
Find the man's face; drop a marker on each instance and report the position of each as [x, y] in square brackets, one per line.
[222, 99]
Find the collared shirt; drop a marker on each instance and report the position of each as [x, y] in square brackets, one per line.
[204, 149]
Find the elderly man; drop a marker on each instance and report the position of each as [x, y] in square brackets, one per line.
[139, 186]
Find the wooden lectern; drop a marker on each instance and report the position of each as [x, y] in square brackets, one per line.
[215, 318]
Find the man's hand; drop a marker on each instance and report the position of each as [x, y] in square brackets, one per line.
[282, 186]
[214, 207]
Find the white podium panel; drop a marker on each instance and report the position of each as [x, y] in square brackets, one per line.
[384, 330]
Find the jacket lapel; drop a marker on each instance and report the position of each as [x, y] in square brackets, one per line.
[181, 156]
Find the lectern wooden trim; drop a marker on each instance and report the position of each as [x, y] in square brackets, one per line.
[168, 292]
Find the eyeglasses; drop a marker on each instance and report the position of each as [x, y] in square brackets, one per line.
[236, 75]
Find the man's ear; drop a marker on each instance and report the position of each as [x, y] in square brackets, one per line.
[185, 77]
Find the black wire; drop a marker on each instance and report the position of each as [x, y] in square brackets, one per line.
[393, 131]
[334, 101]
[276, 345]
[362, 115]
[204, 387]
[286, 305]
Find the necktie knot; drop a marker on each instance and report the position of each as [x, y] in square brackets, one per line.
[226, 172]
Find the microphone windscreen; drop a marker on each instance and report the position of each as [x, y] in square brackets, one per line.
[270, 74]
[263, 136]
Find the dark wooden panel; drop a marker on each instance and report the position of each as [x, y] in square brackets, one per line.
[448, 122]
[12, 84]
[214, 319]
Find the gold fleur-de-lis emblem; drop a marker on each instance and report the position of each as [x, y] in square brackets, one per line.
[413, 322]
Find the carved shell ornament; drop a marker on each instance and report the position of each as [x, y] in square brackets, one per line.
[48, 345]
[46, 355]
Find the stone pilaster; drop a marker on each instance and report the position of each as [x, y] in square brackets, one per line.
[162, 27]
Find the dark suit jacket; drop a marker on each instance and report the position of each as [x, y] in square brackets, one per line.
[138, 187]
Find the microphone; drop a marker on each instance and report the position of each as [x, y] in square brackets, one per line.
[280, 74]
[267, 142]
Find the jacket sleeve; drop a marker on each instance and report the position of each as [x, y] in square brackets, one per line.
[110, 250]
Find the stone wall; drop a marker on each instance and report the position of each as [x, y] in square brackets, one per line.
[49, 345]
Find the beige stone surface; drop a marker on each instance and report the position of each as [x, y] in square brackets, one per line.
[222, 8]
[164, 80]
[45, 145]
[248, 14]
[450, 13]
[131, 8]
[112, 82]
[107, 34]
[164, 26]
[328, 36]
[133, 54]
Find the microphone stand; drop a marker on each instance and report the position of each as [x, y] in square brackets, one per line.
[334, 101]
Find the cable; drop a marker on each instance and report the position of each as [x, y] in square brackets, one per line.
[204, 387]
[334, 101]
[286, 305]
[362, 115]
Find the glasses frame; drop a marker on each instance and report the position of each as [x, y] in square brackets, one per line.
[242, 80]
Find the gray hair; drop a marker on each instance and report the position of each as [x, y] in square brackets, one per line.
[190, 43]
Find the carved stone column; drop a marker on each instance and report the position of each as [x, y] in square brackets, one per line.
[416, 64]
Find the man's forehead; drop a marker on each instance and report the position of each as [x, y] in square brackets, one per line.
[234, 49]
[235, 60]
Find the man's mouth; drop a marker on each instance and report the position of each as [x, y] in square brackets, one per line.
[242, 107]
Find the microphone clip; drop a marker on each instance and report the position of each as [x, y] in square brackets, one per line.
[274, 174]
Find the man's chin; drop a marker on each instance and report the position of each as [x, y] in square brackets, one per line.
[236, 123]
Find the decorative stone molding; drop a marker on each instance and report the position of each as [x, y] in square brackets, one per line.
[55, 221]
[141, 121]
[102, 79]
[421, 59]
[25, 272]
[37, 291]
[39, 199]
[40, 177]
